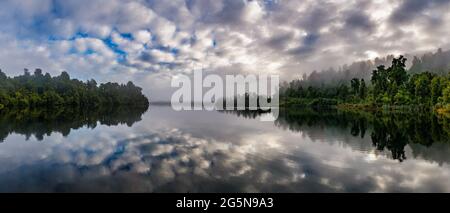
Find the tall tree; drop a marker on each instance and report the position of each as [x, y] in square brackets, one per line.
[362, 89]
[355, 85]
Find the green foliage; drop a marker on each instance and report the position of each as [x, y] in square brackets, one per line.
[323, 102]
[397, 72]
[385, 99]
[402, 97]
[389, 86]
[379, 80]
[422, 87]
[389, 80]
[446, 94]
[437, 85]
[42, 90]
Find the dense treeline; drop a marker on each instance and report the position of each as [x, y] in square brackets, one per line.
[437, 63]
[392, 86]
[42, 90]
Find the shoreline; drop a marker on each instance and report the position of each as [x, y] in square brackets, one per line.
[441, 110]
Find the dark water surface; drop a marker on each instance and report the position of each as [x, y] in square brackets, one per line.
[198, 151]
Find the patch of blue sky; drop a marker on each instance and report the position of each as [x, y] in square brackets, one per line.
[167, 49]
[271, 4]
[168, 65]
[76, 36]
[128, 36]
[89, 52]
[113, 46]
[121, 54]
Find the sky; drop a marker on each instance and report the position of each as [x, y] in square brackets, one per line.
[150, 41]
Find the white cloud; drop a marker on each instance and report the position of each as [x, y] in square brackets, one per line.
[158, 56]
[95, 45]
[286, 37]
[253, 12]
[142, 36]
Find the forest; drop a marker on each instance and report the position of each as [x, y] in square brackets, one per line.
[392, 86]
[39, 90]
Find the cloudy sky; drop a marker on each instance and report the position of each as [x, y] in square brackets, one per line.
[149, 41]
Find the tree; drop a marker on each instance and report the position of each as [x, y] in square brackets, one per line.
[397, 72]
[26, 73]
[379, 81]
[362, 89]
[355, 86]
[416, 65]
[343, 92]
[388, 81]
[64, 76]
[436, 88]
[38, 73]
[446, 94]
[92, 84]
[422, 88]
[402, 97]
[3, 76]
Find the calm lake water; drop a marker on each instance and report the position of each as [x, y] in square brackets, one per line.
[199, 151]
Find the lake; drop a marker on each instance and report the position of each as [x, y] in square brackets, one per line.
[199, 151]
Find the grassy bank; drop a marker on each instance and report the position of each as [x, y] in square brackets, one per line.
[384, 108]
[320, 103]
[303, 102]
[443, 110]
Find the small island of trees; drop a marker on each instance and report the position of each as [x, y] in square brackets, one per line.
[39, 90]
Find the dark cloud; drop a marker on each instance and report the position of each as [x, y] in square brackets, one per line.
[410, 9]
[359, 20]
[231, 12]
[314, 19]
[146, 56]
[307, 47]
[280, 42]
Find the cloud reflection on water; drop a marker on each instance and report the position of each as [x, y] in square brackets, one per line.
[164, 154]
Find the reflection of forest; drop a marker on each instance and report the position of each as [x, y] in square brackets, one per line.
[423, 132]
[391, 131]
[41, 122]
[249, 114]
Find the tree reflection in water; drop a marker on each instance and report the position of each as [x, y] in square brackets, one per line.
[387, 131]
[41, 122]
